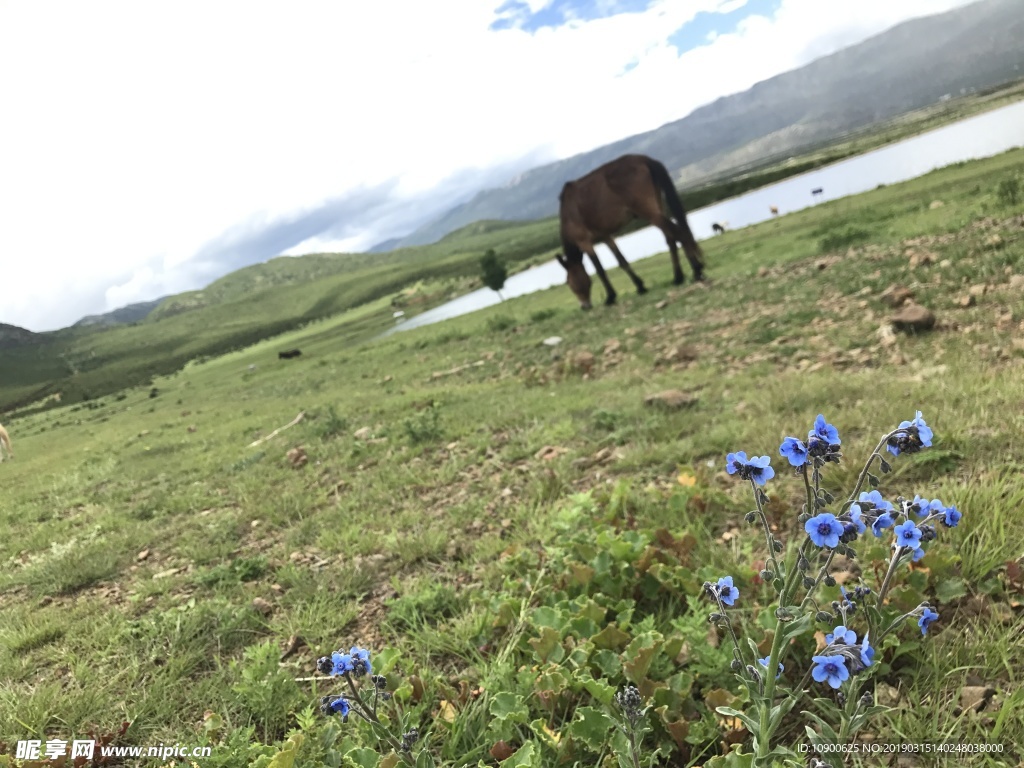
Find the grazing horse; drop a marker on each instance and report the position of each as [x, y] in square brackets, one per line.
[288, 354]
[718, 229]
[816, 192]
[596, 206]
[774, 209]
[5, 444]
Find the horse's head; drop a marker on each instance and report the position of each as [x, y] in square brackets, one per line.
[577, 278]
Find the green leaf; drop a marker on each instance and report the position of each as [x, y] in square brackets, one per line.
[780, 710]
[424, 759]
[796, 627]
[548, 647]
[608, 662]
[611, 638]
[525, 757]
[591, 727]
[601, 690]
[364, 757]
[509, 707]
[751, 723]
[384, 661]
[950, 589]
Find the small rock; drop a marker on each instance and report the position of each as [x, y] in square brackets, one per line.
[265, 607]
[1017, 282]
[254, 524]
[297, 457]
[921, 259]
[975, 697]
[671, 399]
[661, 304]
[583, 361]
[362, 433]
[820, 264]
[762, 271]
[896, 296]
[966, 301]
[935, 204]
[387, 379]
[550, 452]
[168, 573]
[552, 341]
[977, 290]
[192, 428]
[612, 346]
[142, 555]
[452, 446]
[946, 263]
[913, 317]
[994, 242]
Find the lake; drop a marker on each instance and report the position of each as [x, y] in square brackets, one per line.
[968, 139]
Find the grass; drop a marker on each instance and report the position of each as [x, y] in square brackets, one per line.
[492, 535]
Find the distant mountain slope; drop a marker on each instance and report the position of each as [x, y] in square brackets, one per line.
[132, 313]
[13, 336]
[909, 66]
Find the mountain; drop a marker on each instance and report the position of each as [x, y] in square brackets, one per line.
[13, 336]
[132, 313]
[907, 67]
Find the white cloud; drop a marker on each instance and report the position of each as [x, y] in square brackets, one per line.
[137, 134]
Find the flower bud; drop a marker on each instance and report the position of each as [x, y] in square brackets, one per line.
[750, 517]
[766, 575]
[736, 665]
[808, 582]
[823, 616]
[829, 581]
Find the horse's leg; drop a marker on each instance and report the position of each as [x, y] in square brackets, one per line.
[608, 290]
[669, 231]
[640, 288]
[681, 232]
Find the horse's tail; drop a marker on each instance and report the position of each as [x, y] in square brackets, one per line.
[664, 182]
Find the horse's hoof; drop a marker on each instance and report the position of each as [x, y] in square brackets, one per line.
[679, 280]
[610, 301]
[641, 289]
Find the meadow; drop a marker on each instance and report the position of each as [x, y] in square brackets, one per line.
[510, 527]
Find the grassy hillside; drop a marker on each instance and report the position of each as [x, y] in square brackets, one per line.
[506, 501]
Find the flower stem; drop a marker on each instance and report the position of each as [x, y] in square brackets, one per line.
[764, 731]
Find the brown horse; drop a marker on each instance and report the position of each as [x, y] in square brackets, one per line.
[596, 206]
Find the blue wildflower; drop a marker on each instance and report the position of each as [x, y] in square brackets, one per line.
[764, 663]
[867, 653]
[926, 620]
[908, 534]
[830, 669]
[914, 436]
[881, 523]
[756, 468]
[875, 499]
[856, 518]
[918, 554]
[951, 516]
[824, 431]
[360, 661]
[824, 530]
[794, 450]
[339, 706]
[342, 663]
[841, 635]
[726, 591]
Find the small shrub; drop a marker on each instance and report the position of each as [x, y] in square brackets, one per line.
[424, 426]
[500, 323]
[843, 238]
[542, 314]
[1008, 191]
[332, 425]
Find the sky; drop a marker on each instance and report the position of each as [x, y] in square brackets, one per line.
[150, 148]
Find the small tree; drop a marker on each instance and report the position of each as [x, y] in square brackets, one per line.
[494, 272]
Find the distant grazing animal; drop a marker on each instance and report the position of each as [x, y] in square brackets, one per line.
[816, 192]
[288, 354]
[718, 229]
[774, 210]
[596, 206]
[5, 444]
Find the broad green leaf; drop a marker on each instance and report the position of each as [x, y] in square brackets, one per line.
[608, 662]
[747, 720]
[509, 707]
[548, 647]
[384, 661]
[591, 727]
[424, 759]
[364, 757]
[950, 589]
[527, 756]
[611, 638]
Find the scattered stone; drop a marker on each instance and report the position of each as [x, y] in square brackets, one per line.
[762, 271]
[913, 317]
[975, 697]
[583, 361]
[896, 296]
[967, 300]
[661, 304]
[362, 433]
[977, 290]
[552, 341]
[921, 259]
[550, 452]
[292, 646]
[994, 242]
[387, 379]
[612, 346]
[1017, 282]
[671, 399]
[946, 263]
[935, 204]
[265, 607]
[144, 554]
[168, 573]
[192, 428]
[297, 457]
[254, 523]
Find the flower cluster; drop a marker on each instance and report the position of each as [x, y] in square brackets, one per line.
[831, 527]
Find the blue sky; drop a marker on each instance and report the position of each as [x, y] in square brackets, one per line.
[131, 171]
